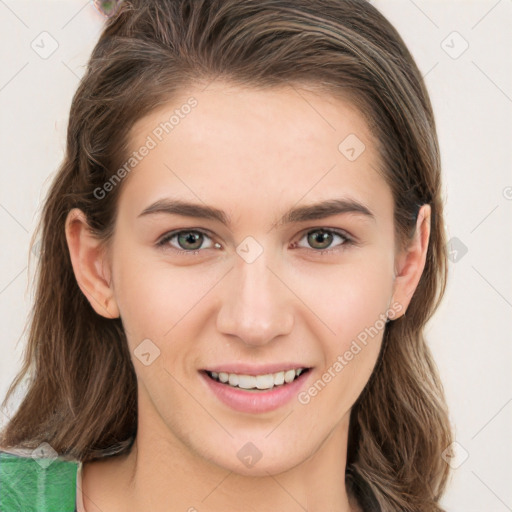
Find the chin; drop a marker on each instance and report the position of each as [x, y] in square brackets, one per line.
[258, 458]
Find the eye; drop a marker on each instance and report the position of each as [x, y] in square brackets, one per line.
[189, 241]
[321, 238]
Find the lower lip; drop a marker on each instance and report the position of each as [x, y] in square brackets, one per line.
[256, 401]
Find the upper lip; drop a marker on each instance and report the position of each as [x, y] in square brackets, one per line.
[250, 369]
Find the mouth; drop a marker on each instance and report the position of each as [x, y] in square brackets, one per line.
[257, 383]
[256, 390]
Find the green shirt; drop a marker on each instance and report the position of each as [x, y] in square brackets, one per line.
[29, 484]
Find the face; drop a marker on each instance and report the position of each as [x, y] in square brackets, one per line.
[252, 289]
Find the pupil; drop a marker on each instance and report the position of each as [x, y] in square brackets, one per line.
[190, 237]
[321, 236]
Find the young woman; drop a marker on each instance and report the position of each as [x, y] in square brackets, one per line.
[240, 252]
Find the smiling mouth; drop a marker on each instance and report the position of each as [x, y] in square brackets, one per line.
[257, 383]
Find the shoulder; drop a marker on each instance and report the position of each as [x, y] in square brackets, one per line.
[29, 482]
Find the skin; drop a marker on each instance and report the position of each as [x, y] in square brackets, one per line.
[253, 154]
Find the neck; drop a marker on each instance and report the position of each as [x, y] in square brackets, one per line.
[159, 473]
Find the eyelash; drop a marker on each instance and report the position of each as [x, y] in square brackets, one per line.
[347, 241]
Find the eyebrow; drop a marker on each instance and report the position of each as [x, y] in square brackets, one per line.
[314, 211]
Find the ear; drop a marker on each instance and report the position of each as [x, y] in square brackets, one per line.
[90, 265]
[410, 262]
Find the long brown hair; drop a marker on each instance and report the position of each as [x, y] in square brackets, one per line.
[82, 393]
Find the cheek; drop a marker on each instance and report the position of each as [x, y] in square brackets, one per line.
[153, 296]
[144, 295]
[353, 303]
[349, 297]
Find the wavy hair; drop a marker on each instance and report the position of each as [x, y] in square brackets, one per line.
[82, 389]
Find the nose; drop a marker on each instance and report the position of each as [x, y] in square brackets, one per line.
[256, 305]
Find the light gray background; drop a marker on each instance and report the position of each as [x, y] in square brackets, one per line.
[471, 90]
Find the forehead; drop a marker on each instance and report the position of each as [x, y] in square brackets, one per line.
[244, 146]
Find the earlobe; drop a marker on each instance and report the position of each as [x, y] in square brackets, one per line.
[410, 263]
[90, 265]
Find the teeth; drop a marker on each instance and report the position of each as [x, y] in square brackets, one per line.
[267, 381]
[289, 376]
[246, 382]
[278, 378]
